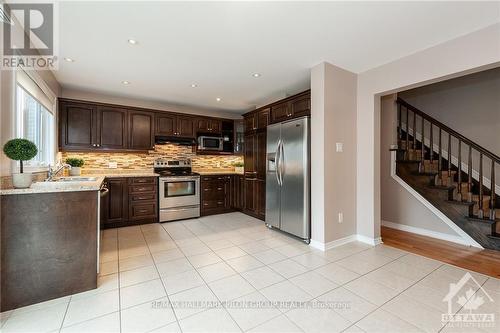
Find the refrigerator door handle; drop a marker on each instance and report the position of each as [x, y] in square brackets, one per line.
[281, 166]
[277, 160]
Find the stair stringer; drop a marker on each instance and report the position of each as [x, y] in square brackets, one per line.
[467, 240]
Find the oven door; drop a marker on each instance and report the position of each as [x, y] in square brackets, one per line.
[210, 143]
[179, 192]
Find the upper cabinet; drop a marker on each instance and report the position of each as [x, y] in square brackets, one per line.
[209, 125]
[168, 124]
[111, 128]
[256, 120]
[292, 107]
[77, 126]
[87, 126]
[141, 130]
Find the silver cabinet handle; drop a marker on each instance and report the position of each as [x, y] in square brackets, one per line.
[282, 153]
[277, 160]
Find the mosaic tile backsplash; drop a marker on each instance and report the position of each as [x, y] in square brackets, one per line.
[144, 161]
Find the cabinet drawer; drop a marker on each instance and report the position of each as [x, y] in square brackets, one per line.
[214, 178]
[142, 210]
[210, 204]
[143, 197]
[141, 188]
[212, 186]
[142, 180]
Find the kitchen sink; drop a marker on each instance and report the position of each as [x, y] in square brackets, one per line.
[75, 179]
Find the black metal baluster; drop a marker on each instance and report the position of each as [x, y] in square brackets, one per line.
[469, 176]
[422, 147]
[407, 135]
[459, 164]
[480, 213]
[440, 163]
[449, 159]
[415, 134]
[431, 145]
[493, 195]
[400, 130]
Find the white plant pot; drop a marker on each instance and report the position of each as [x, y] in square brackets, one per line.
[75, 171]
[239, 169]
[22, 180]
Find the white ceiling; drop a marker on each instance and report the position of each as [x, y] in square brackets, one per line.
[219, 45]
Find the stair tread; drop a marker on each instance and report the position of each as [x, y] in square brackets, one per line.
[464, 203]
[408, 161]
[442, 187]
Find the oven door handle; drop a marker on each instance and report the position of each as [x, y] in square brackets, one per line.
[180, 179]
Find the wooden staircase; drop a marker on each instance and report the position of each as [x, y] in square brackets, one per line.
[441, 178]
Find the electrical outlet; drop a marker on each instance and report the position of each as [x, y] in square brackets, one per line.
[341, 217]
[112, 165]
[340, 147]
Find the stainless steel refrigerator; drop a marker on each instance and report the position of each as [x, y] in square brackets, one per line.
[288, 177]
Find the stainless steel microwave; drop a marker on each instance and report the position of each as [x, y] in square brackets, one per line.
[214, 143]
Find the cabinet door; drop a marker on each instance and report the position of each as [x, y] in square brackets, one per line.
[250, 195]
[261, 198]
[117, 200]
[185, 127]
[215, 126]
[263, 118]
[141, 130]
[250, 121]
[202, 124]
[260, 154]
[77, 125]
[112, 128]
[280, 112]
[250, 155]
[301, 106]
[164, 124]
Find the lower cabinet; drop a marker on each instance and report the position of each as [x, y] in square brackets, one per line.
[130, 201]
[216, 194]
[255, 198]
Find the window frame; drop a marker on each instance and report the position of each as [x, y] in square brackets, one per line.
[18, 131]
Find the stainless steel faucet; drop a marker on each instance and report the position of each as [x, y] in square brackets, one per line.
[54, 171]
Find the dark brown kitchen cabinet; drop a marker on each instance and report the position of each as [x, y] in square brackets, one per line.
[115, 203]
[260, 155]
[292, 107]
[209, 125]
[263, 118]
[250, 155]
[141, 130]
[130, 201]
[256, 120]
[250, 189]
[261, 199]
[174, 125]
[250, 121]
[111, 128]
[216, 196]
[77, 123]
[238, 192]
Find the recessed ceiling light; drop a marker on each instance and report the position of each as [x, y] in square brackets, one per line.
[218, 99]
[256, 74]
[69, 60]
[194, 85]
[132, 41]
[125, 82]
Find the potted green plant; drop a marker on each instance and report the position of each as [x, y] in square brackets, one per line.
[76, 165]
[238, 167]
[21, 150]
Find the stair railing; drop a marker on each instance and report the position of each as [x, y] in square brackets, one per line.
[413, 112]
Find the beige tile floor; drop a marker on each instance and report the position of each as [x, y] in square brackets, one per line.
[229, 273]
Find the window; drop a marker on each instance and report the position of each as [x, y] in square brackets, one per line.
[34, 120]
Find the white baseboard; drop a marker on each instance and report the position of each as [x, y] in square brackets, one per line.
[426, 232]
[330, 245]
[369, 240]
[338, 242]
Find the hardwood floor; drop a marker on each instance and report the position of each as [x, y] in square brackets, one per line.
[482, 261]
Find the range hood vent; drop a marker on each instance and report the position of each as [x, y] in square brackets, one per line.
[163, 140]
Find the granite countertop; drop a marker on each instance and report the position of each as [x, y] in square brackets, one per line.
[217, 172]
[58, 186]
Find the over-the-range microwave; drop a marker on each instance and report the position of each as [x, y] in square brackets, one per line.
[213, 143]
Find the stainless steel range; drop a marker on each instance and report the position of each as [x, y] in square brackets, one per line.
[179, 190]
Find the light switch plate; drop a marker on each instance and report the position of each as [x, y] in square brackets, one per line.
[340, 147]
[112, 165]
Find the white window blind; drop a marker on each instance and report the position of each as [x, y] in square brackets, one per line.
[35, 119]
